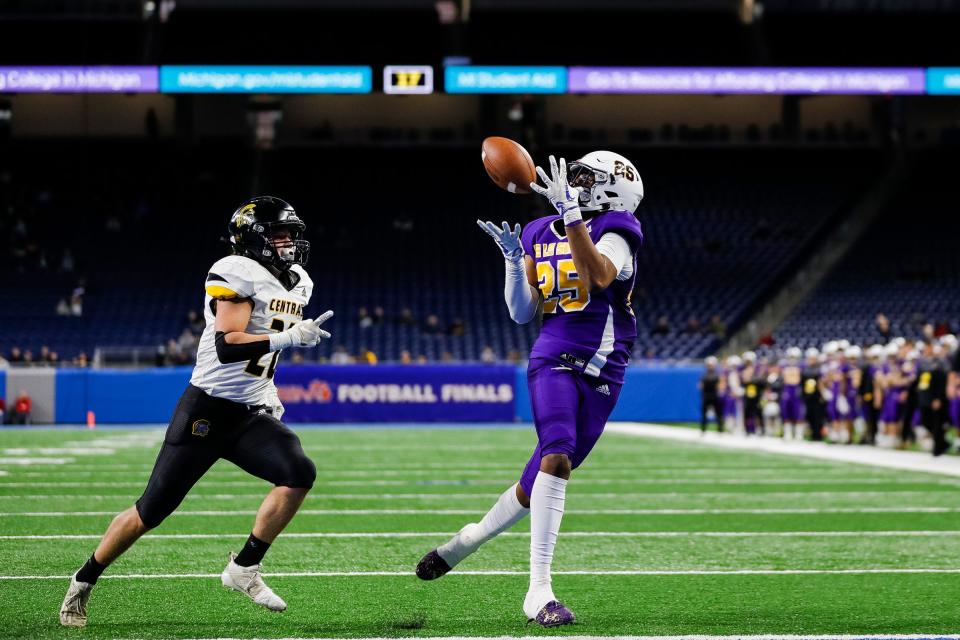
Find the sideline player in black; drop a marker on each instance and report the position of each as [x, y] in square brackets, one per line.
[253, 308]
[814, 407]
[710, 395]
[932, 397]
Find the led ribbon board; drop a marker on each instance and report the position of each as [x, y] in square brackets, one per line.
[747, 80]
[943, 80]
[470, 79]
[265, 79]
[415, 79]
[78, 79]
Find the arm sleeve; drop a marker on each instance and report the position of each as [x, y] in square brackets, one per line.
[227, 353]
[616, 249]
[229, 279]
[520, 297]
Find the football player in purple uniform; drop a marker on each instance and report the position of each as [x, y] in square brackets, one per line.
[580, 264]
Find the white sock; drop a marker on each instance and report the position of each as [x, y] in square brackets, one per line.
[505, 513]
[546, 511]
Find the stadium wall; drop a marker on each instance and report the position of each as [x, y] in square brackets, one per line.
[344, 394]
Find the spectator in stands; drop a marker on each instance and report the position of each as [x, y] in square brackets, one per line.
[3, 365]
[366, 356]
[28, 357]
[66, 261]
[195, 322]
[44, 356]
[54, 359]
[421, 359]
[378, 315]
[62, 309]
[662, 327]
[457, 328]
[488, 355]
[297, 357]
[447, 357]
[693, 326]
[431, 326]
[943, 328]
[187, 343]
[717, 327]
[882, 324]
[76, 305]
[405, 357]
[407, 318]
[340, 356]
[363, 318]
[514, 356]
[81, 360]
[20, 414]
[16, 356]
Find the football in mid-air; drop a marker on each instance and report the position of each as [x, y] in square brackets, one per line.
[508, 164]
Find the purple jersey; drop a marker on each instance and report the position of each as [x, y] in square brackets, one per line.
[590, 332]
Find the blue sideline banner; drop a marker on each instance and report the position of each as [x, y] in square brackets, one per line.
[397, 393]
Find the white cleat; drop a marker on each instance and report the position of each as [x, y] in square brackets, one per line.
[73, 611]
[249, 580]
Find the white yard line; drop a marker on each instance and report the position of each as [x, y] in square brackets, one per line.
[523, 534]
[470, 512]
[27, 461]
[597, 572]
[872, 456]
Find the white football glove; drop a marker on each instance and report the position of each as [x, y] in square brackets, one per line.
[507, 240]
[306, 333]
[564, 198]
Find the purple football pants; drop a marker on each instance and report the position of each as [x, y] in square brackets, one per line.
[570, 411]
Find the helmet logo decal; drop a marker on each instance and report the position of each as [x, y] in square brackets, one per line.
[241, 218]
[624, 170]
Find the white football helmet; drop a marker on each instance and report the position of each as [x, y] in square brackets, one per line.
[812, 353]
[794, 353]
[609, 181]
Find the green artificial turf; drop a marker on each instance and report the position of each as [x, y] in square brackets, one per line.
[676, 507]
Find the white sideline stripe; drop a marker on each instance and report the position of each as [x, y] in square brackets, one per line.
[469, 512]
[886, 458]
[495, 572]
[525, 534]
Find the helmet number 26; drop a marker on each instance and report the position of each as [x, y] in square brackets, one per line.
[561, 287]
[254, 368]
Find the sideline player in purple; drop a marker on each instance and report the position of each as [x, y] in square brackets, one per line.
[581, 265]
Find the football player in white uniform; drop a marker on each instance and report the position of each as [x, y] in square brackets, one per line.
[254, 308]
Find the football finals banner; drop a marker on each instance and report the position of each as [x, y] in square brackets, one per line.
[397, 393]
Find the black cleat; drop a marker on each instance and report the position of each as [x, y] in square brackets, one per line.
[432, 566]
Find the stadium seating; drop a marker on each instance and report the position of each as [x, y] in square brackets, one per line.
[722, 229]
[912, 250]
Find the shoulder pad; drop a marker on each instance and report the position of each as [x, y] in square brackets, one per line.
[530, 230]
[230, 278]
[623, 223]
[305, 280]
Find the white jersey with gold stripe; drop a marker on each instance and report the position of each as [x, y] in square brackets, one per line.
[274, 309]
